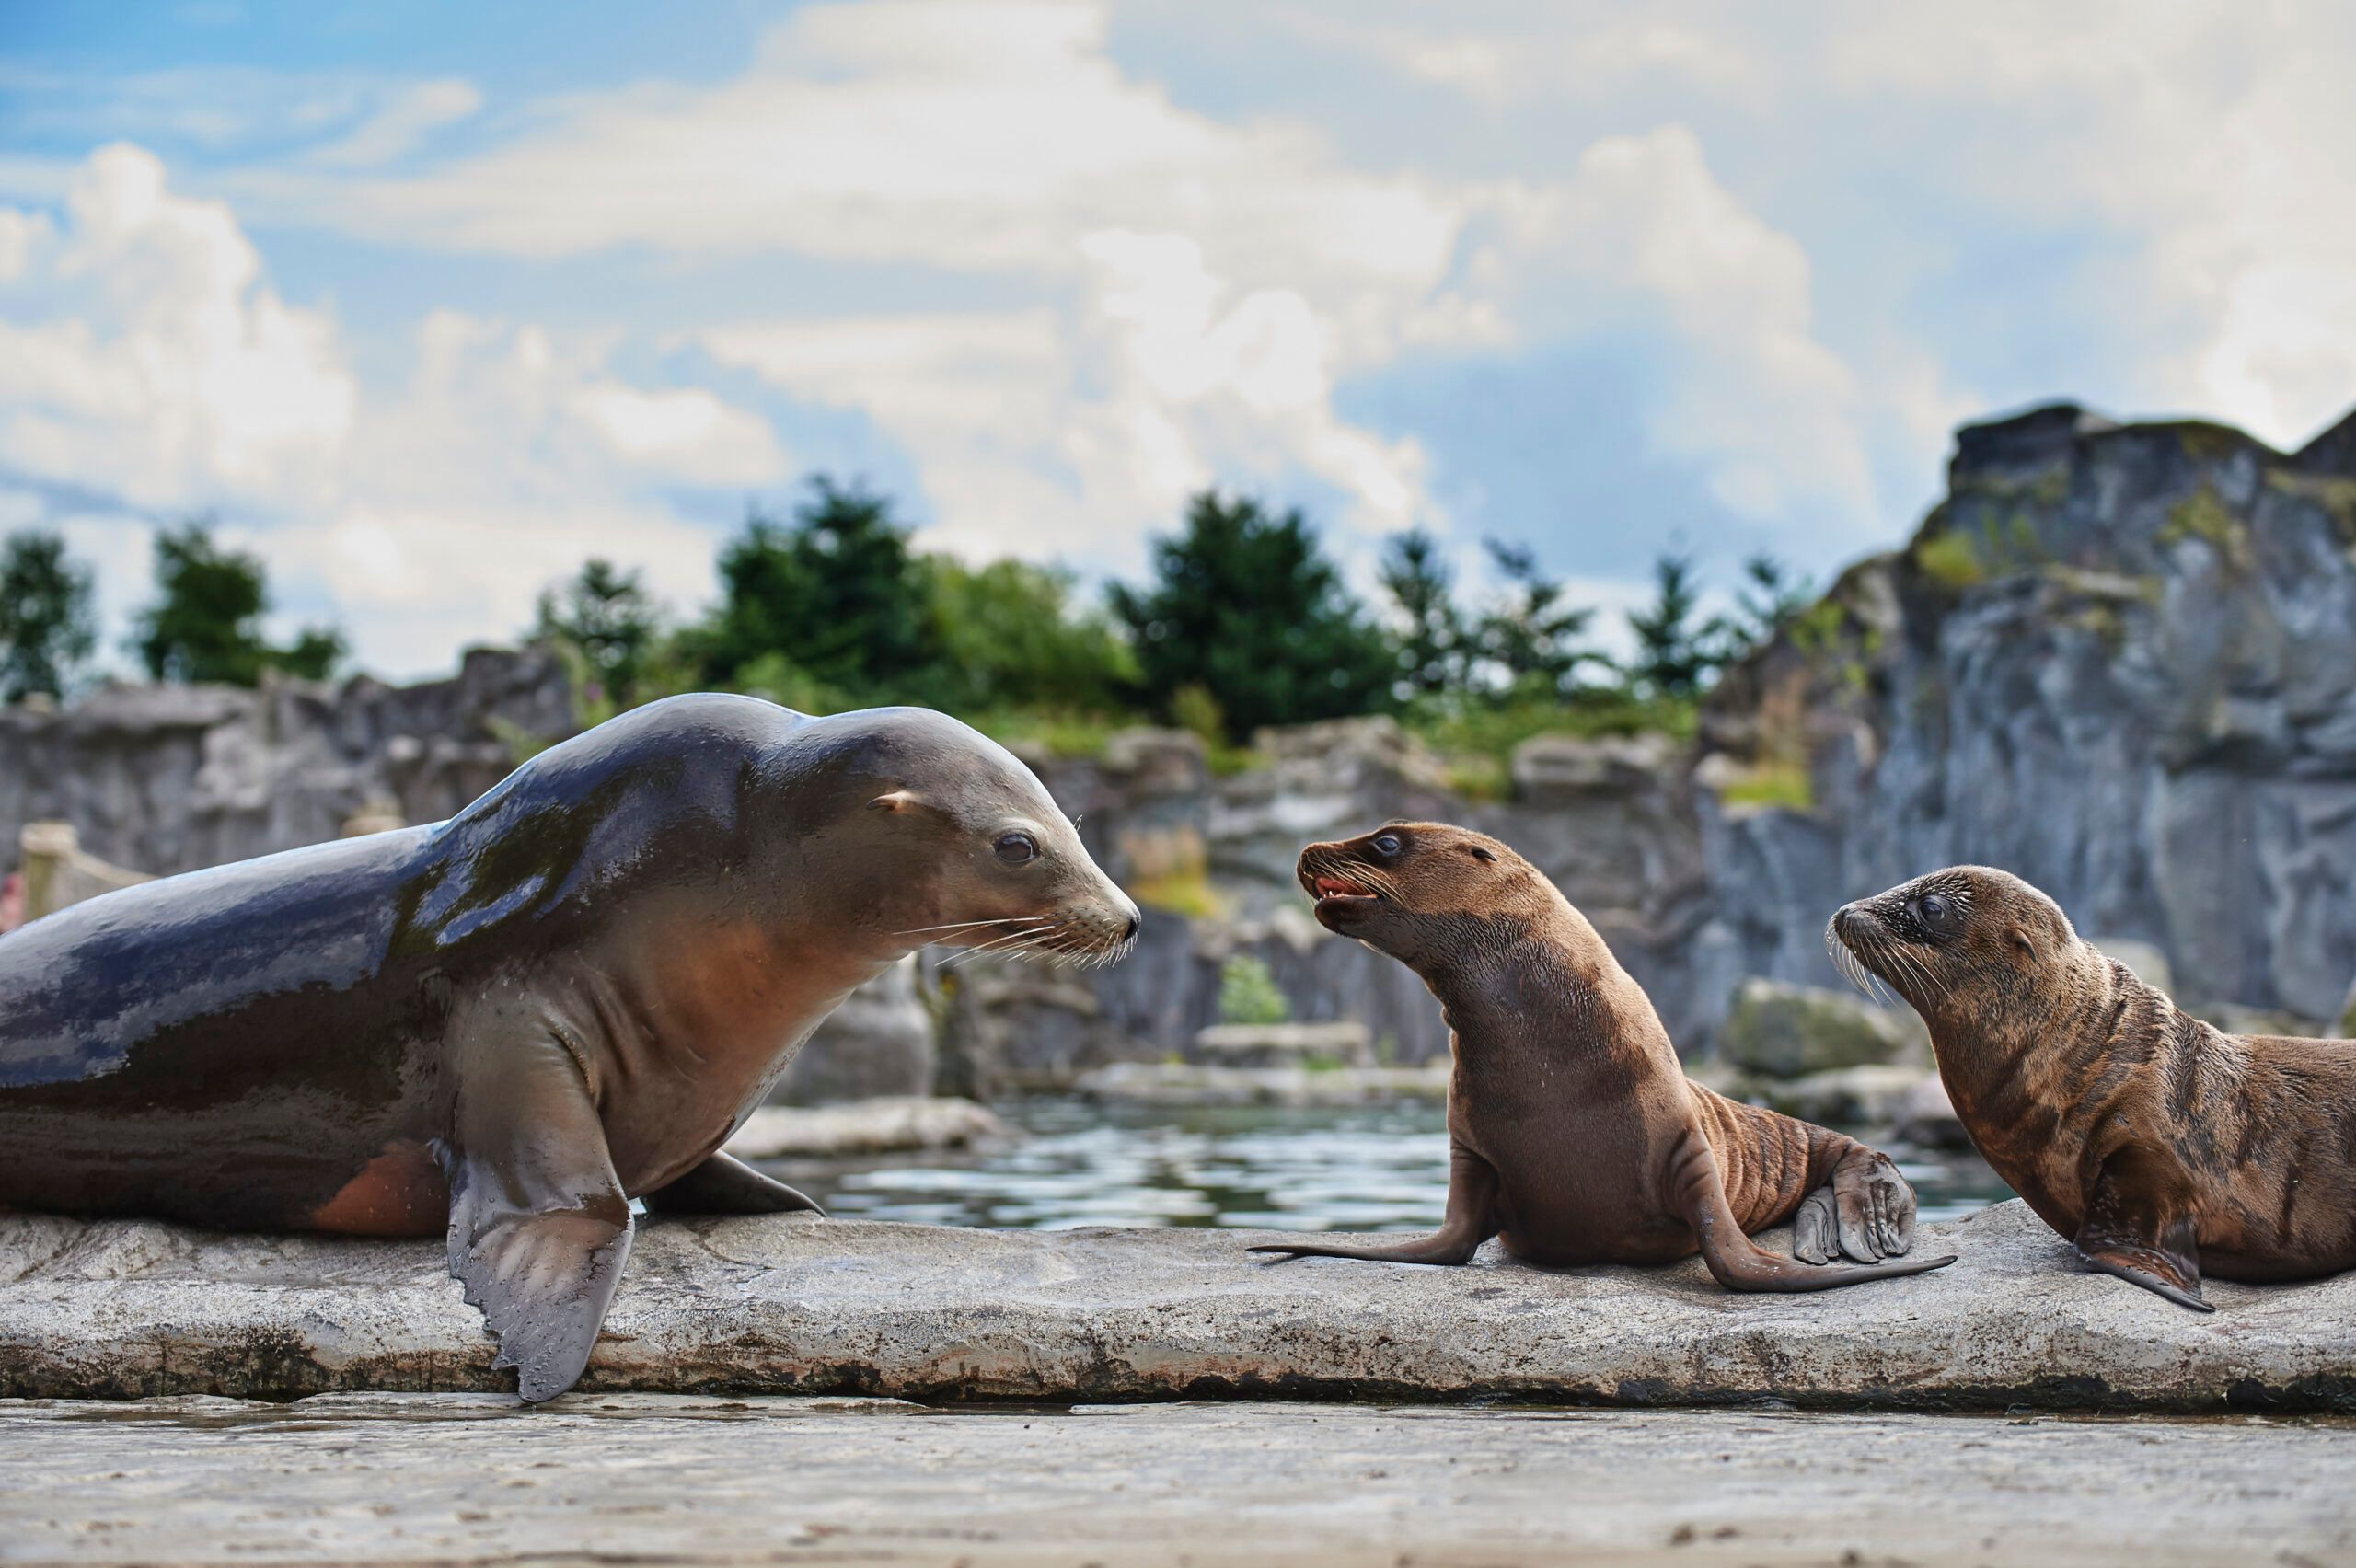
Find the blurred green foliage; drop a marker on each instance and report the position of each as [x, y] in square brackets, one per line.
[1248, 992]
[1244, 606]
[205, 624]
[48, 628]
[1242, 622]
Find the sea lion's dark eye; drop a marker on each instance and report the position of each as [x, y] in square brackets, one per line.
[1017, 848]
[1387, 845]
[1933, 906]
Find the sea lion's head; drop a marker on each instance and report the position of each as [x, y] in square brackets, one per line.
[1970, 943]
[1424, 892]
[942, 836]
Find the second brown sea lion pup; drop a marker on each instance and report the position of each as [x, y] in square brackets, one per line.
[2160, 1146]
[1574, 1135]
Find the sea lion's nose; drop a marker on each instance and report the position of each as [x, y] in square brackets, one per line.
[1131, 929]
[1846, 916]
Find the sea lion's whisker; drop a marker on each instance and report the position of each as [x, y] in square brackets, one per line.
[964, 925]
[1001, 943]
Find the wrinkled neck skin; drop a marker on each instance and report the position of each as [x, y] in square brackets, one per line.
[1515, 978]
[2014, 1046]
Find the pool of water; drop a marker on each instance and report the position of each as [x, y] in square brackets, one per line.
[1363, 1167]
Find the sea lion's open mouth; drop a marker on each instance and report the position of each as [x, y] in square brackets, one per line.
[1328, 888]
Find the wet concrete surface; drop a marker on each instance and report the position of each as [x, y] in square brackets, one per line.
[476, 1479]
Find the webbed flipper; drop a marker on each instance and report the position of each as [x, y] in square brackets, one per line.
[725, 1184]
[1737, 1263]
[1866, 1211]
[1471, 1220]
[539, 1225]
[2139, 1226]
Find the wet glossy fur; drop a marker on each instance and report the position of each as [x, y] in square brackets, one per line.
[505, 1026]
[2162, 1147]
[1575, 1136]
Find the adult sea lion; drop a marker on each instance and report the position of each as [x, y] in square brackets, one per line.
[506, 1026]
[1574, 1135]
[2159, 1146]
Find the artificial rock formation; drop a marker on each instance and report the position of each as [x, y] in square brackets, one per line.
[2119, 660]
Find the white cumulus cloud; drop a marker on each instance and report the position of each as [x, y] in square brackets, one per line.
[148, 370]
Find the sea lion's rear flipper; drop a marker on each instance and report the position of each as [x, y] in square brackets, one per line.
[2139, 1226]
[725, 1184]
[1864, 1212]
[1737, 1262]
[540, 1225]
[1471, 1220]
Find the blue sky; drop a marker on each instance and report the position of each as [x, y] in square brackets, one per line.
[426, 303]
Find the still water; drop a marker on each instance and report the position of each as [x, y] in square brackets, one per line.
[1363, 1167]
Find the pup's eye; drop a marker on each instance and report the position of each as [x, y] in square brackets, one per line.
[1015, 848]
[1388, 844]
[1933, 906]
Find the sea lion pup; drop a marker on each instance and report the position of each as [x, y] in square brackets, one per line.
[1574, 1135]
[2158, 1145]
[506, 1026]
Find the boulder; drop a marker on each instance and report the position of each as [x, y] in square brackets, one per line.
[790, 1304]
[1341, 1044]
[1180, 1084]
[878, 1043]
[866, 1126]
[1926, 1119]
[1780, 1030]
[1873, 1095]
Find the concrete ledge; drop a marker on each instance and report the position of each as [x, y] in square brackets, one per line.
[797, 1306]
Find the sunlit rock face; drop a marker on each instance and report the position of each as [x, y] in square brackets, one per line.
[2119, 661]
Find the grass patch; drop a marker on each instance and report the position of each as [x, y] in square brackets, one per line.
[1080, 736]
[1783, 784]
[1248, 992]
[1951, 559]
[2335, 494]
[2204, 517]
[1181, 890]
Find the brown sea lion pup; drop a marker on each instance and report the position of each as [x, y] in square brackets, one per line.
[2159, 1146]
[1573, 1134]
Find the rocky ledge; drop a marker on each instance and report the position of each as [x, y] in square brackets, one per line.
[794, 1304]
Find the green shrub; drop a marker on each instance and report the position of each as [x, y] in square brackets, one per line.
[1248, 993]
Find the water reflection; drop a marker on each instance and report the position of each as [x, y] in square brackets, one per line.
[1363, 1167]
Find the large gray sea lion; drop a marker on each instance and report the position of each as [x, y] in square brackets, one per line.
[1574, 1135]
[2160, 1146]
[506, 1026]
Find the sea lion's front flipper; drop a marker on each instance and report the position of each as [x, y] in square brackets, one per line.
[725, 1184]
[1469, 1220]
[540, 1225]
[2139, 1226]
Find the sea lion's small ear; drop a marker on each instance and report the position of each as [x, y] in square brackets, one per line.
[1480, 854]
[2020, 940]
[894, 801]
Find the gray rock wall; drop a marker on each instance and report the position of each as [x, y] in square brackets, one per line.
[164, 779]
[2119, 661]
